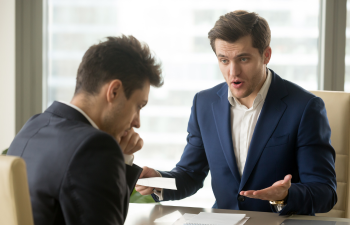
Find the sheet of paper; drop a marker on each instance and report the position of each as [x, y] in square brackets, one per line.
[158, 182]
[242, 222]
[170, 218]
[184, 218]
[216, 218]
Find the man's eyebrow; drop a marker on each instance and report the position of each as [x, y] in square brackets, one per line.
[243, 54]
[221, 55]
[237, 56]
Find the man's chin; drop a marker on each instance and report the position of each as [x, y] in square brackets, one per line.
[239, 94]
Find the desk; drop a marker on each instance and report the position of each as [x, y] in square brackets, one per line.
[145, 214]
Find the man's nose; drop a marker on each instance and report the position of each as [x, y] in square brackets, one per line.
[136, 122]
[234, 69]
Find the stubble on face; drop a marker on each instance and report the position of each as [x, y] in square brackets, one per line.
[109, 120]
[255, 82]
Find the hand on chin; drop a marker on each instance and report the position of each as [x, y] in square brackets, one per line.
[130, 142]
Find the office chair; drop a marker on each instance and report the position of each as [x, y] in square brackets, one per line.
[338, 112]
[15, 206]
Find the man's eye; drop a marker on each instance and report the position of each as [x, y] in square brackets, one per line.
[244, 59]
[224, 61]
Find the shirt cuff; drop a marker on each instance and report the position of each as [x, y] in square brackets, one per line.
[159, 194]
[279, 208]
[129, 159]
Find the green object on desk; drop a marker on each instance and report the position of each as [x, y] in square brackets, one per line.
[138, 198]
[134, 198]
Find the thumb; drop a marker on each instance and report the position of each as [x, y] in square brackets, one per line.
[144, 171]
[287, 179]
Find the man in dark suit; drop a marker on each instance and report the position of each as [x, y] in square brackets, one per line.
[79, 155]
[265, 140]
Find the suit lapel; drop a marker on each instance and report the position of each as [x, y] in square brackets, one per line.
[221, 111]
[269, 118]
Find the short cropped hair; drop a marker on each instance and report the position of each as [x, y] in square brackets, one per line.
[123, 58]
[234, 25]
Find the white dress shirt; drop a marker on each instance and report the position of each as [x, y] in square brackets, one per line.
[243, 121]
[129, 159]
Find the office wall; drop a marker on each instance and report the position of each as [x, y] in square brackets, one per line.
[7, 72]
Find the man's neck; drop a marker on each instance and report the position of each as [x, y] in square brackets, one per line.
[89, 107]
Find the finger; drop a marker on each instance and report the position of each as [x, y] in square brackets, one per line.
[148, 172]
[145, 191]
[250, 194]
[125, 139]
[132, 142]
[141, 188]
[144, 171]
[137, 147]
[246, 193]
[134, 147]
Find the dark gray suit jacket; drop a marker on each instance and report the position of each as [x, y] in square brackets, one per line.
[76, 173]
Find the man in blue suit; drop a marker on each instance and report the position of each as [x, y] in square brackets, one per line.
[265, 140]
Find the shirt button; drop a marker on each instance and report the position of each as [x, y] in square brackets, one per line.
[241, 198]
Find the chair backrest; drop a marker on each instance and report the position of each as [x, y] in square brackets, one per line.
[15, 206]
[338, 112]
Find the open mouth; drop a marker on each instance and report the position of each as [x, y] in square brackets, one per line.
[237, 84]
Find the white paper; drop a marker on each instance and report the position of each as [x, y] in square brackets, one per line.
[184, 218]
[242, 222]
[158, 182]
[216, 218]
[170, 218]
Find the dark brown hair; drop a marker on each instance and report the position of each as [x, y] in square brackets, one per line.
[234, 25]
[123, 58]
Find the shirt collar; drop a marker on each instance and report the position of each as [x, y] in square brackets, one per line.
[261, 94]
[82, 112]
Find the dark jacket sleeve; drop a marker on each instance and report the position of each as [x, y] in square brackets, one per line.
[132, 175]
[94, 189]
[316, 191]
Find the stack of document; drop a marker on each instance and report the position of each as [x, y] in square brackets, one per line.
[204, 218]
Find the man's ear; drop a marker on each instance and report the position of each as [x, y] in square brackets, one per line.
[114, 89]
[267, 55]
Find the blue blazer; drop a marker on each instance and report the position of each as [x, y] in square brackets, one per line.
[292, 136]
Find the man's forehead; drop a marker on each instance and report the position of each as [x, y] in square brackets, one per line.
[242, 45]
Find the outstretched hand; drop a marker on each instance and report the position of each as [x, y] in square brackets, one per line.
[146, 173]
[278, 191]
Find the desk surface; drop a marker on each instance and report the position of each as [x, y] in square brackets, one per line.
[145, 214]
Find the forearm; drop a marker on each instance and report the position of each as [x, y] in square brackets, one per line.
[310, 198]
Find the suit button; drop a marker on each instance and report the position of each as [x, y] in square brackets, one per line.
[241, 198]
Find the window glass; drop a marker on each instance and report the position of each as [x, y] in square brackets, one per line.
[177, 32]
[347, 50]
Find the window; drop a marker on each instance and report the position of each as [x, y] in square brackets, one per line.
[177, 32]
[347, 50]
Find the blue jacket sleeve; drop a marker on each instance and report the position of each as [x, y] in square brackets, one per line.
[316, 191]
